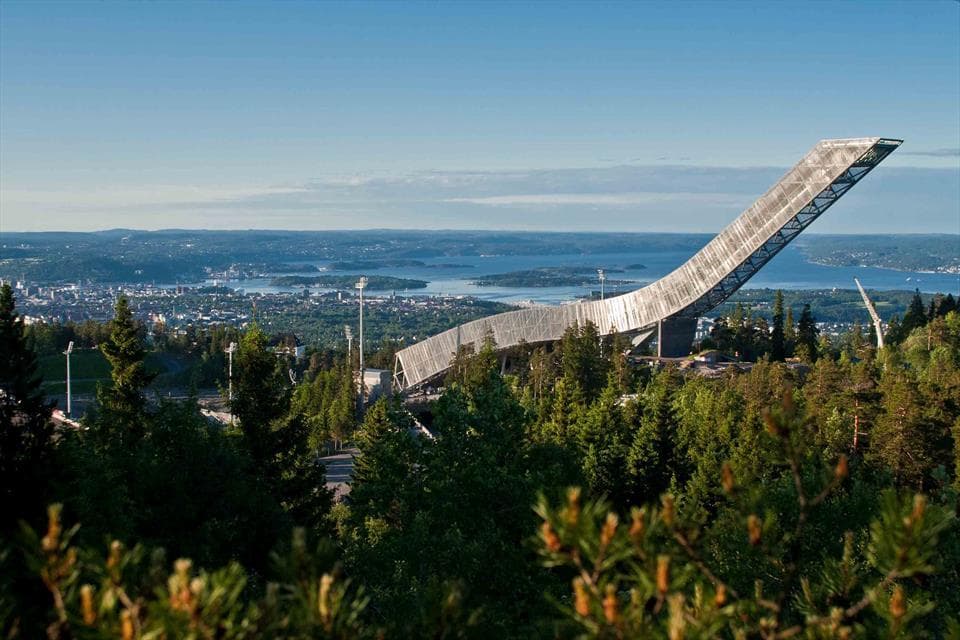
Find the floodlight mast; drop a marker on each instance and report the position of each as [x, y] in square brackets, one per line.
[69, 395]
[603, 278]
[229, 351]
[348, 332]
[361, 285]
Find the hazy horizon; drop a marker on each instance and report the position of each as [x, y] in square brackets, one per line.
[806, 234]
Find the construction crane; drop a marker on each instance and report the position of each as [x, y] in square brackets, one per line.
[873, 314]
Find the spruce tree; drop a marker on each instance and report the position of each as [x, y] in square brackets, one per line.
[25, 428]
[777, 339]
[651, 458]
[915, 317]
[949, 304]
[261, 394]
[789, 333]
[123, 402]
[807, 334]
[277, 437]
[584, 368]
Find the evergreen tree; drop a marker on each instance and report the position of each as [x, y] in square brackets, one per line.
[807, 335]
[894, 333]
[605, 442]
[297, 477]
[916, 315]
[619, 345]
[261, 394]
[650, 460]
[902, 439]
[789, 333]
[385, 467]
[123, 401]
[949, 304]
[582, 363]
[25, 428]
[443, 519]
[276, 437]
[777, 337]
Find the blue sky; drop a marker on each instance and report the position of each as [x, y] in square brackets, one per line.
[539, 115]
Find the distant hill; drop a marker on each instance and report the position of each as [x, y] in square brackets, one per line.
[168, 256]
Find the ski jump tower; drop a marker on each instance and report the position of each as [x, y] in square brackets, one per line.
[670, 306]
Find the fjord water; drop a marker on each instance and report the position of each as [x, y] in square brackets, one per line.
[788, 270]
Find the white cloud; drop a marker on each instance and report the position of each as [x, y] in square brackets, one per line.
[136, 196]
[601, 199]
[630, 197]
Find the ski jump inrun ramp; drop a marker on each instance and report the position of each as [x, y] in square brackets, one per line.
[670, 306]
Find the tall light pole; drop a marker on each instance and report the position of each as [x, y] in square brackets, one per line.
[361, 285]
[67, 353]
[348, 332]
[603, 278]
[229, 351]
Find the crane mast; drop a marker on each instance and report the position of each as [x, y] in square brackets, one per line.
[873, 314]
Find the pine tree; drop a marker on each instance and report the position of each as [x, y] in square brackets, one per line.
[25, 428]
[901, 440]
[777, 339]
[124, 402]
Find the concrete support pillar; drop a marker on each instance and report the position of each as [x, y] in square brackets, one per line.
[675, 336]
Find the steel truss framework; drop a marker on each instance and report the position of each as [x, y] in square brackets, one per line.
[824, 200]
[708, 278]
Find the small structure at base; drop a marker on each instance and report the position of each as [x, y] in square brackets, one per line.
[378, 383]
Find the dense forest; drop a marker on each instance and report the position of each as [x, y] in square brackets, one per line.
[563, 491]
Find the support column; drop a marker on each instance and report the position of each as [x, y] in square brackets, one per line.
[675, 336]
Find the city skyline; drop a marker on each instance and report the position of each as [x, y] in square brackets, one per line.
[647, 117]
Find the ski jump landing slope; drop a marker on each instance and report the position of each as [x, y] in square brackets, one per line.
[670, 306]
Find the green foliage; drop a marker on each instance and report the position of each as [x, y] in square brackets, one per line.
[124, 399]
[277, 438]
[742, 334]
[807, 336]
[657, 574]
[651, 459]
[436, 525]
[778, 344]
[131, 593]
[328, 401]
[261, 393]
[25, 429]
[186, 487]
[581, 360]
[702, 514]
